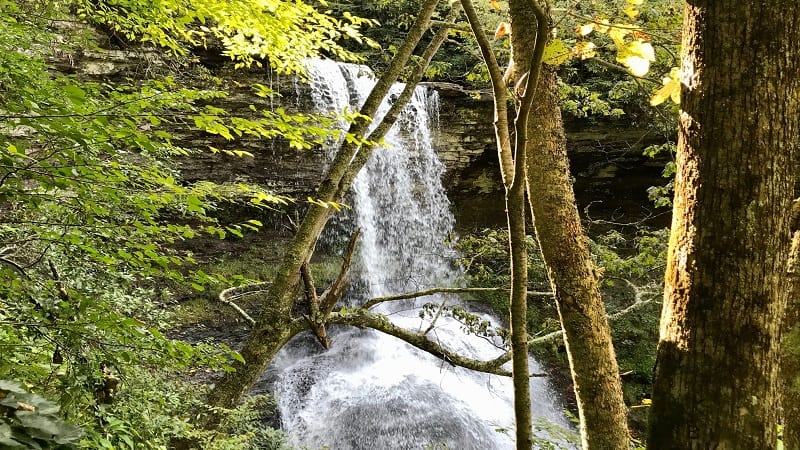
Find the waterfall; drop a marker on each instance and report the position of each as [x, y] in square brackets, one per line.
[370, 390]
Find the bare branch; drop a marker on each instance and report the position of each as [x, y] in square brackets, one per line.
[227, 296]
[238, 309]
[310, 289]
[452, 26]
[639, 301]
[237, 292]
[442, 290]
[16, 266]
[313, 318]
[331, 296]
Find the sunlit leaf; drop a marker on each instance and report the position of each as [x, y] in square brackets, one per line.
[617, 33]
[601, 25]
[584, 50]
[636, 56]
[556, 52]
[585, 29]
[671, 89]
[631, 11]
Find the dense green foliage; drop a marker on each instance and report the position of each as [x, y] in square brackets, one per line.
[92, 212]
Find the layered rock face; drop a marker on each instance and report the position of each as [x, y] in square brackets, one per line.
[611, 174]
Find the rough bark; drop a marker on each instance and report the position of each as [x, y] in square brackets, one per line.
[566, 254]
[272, 327]
[574, 278]
[790, 344]
[716, 381]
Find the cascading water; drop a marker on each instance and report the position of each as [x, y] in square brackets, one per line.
[370, 390]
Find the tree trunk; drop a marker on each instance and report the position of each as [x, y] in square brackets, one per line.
[716, 381]
[572, 273]
[272, 328]
[566, 253]
[601, 407]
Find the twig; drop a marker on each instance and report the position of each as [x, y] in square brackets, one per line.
[441, 290]
[15, 266]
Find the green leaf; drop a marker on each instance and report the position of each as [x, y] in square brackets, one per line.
[556, 53]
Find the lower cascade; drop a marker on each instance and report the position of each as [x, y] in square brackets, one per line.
[370, 390]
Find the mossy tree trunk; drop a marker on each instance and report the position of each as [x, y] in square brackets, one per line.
[572, 273]
[561, 237]
[575, 280]
[716, 382]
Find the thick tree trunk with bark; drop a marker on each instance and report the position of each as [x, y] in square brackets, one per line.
[716, 383]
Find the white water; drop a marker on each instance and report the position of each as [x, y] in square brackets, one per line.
[372, 391]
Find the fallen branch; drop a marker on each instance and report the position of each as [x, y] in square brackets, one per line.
[238, 309]
[227, 296]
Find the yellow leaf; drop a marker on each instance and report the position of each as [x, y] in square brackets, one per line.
[618, 32]
[495, 5]
[585, 29]
[642, 49]
[502, 30]
[637, 65]
[584, 50]
[635, 2]
[556, 53]
[636, 56]
[631, 11]
[671, 89]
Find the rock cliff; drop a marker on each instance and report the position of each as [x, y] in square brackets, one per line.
[611, 173]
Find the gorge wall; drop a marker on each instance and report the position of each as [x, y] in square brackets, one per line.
[611, 174]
